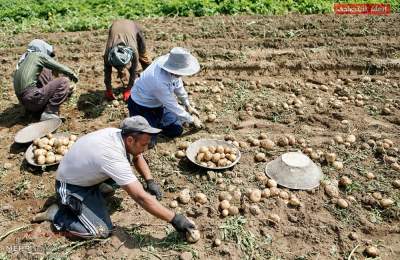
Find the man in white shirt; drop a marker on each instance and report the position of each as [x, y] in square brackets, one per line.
[95, 158]
[156, 93]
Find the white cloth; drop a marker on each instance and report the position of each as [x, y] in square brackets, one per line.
[156, 87]
[96, 157]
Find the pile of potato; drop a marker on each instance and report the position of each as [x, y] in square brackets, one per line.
[216, 156]
[50, 149]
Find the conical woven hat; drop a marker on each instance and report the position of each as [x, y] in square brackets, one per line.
[294, 170]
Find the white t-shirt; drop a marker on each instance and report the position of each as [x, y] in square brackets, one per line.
[96, 157]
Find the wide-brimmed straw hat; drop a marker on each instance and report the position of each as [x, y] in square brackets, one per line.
[179, 61]
[294, 170]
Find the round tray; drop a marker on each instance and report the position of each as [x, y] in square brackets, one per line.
[194, 147]
[30, 158]
[37, 130]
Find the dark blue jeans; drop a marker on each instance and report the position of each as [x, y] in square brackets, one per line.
[170, 128]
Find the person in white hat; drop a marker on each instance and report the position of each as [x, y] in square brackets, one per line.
[97, 158]
[156, 93]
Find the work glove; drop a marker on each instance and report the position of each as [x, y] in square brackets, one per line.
[182, 224]
[109, 95]
[126, 94]
[197, 123]
[154, 189]
[192, 110]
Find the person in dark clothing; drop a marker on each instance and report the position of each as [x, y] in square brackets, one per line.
[125, 45]
[34, 84]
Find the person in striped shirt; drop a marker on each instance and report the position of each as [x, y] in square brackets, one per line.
[34, 84]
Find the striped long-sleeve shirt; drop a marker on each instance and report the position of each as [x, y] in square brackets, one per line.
[29, 70]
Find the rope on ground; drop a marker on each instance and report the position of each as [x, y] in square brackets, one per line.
[13, 231]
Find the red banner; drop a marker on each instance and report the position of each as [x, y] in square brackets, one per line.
[368, 9]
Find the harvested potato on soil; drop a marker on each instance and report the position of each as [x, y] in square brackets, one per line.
[193, 235]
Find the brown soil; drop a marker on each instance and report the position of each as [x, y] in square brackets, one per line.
[264, 61]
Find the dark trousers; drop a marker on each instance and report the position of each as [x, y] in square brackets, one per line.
[83, 211]
[155, 116]
[47, 95]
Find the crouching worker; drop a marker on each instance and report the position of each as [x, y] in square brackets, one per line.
[156, 93]
[125, 45]
[36, 88]
[93, 159]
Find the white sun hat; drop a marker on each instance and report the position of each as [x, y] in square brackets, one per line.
[294, 170]
[179, 61]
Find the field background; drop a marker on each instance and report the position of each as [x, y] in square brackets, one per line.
[345, 70]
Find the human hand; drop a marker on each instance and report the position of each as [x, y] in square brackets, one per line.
[154, 189]
[193, 111]
[182, 224]
[197, 123]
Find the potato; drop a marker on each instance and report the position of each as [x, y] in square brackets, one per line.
[222, 162]
[61, 150]
[227, 150]
[39, 152]
[342, 203]
[351, 139]
[203, 149]
[220, 149]
[255, 195]
[345, 181]
[224, 196]
[225, 212]
[291, 139]
[386, 203]
[294, 201]
[272, 183]
[200, 198]
[173, 204]
[57, 142]
[49, 154]
[200, 157]
[211, 118]
[370, 176]
[330, 157]
[331, 191]
[237, 195]
[211, 164]
[267, 144]
[41, 144]
[231, 157]
[217, 242]
[274, 191]
[224, 204]
[284, 195]
[274, 218]
[212, 149]
[283, 141]
[372, 251]
[184, 196]
[41, 160]
[263, 136]
[183, 145]
[337, 165]
[216, 157]
[44, 140]
[51, 141]
[260, 157]
[50, 158]
[65, 141]
[36, 141]
[222, 155]
[58, 157]
[73, 138]
[208, 156]
[180, 154]
[266, 193]
[204, 164]
[193, 235]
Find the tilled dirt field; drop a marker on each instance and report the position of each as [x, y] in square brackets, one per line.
[314, 78]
